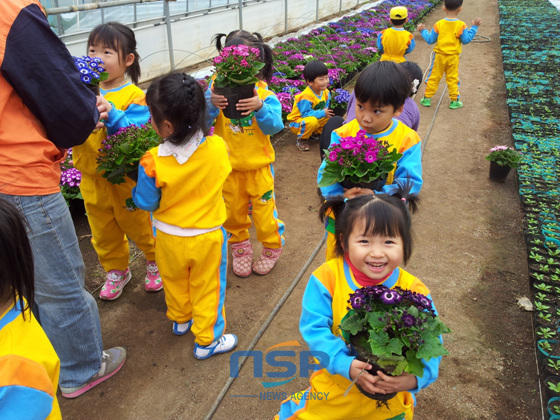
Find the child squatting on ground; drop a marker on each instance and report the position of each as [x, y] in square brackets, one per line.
[373, 239]
[381, 91]
[251, 157]
[29, 366]
[393, 43]
[180, 182]
[111, 223]
[310, 111]
[448, 34]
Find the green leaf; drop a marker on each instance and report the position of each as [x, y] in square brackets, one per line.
[415, 365]
[432, 347]
[330, 176]
[352, 324]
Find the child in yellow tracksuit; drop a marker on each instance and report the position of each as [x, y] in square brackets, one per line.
[181, 182]
[252, 176]
[393, 43]
[111, 223]
[310, 111]
[29, 366]
[373, 240]
[449, 34]
[381, 91]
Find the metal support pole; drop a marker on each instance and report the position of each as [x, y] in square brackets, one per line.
[135, 15]
[169, 34]
[340, 7]
[240, 14]
[59, 26]
[317, 11]
[285, 17]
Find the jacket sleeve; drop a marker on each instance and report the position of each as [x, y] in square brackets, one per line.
[409, 169]
[380, 43]
[146, 194]
[135, 114]
[306, 110]
[315, 326]
[42, 72]
[468, 34]
[269, 117]
[336, 188]
[211, 110]
[430, 37]
[410, 46]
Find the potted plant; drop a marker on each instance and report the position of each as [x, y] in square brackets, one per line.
[553, 407]
[339, 101]
[70, 179]
[236, 70]
[393, 329]
[502, 159]
[552, 386]
[359, 161]
[91, 72]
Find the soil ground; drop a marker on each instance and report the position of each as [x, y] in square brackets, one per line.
[469, 251]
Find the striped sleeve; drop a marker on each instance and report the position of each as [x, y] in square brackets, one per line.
[137, 113]
[147, 194]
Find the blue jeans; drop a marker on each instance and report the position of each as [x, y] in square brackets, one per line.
[68, 313]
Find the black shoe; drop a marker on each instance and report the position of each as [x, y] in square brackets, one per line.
[314, 137]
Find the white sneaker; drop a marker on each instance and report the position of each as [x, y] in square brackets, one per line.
[182, 329]
[226, 343]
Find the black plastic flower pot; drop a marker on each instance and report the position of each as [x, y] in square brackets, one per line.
[339, 111]
[551, 386]
[498, 173]
[543, 355]
[234, 95]
[553, 408]
[372, 185]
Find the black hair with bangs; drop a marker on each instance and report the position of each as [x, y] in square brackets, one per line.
[383, 214]
[120, 38]
[383, 83]
[17, 279]
[452, 5]
[314, 69]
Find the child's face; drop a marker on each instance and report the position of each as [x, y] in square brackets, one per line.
[319, 84]
[115, 65]
[375, 256]
[375, 119]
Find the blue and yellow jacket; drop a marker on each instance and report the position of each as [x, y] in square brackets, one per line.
[129, 108]
[308, 104]
[394, 43]
[29, 368]
[449, 34]
[398, 136]
[187, 195]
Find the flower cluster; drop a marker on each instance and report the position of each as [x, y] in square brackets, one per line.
[91, 70]
[120, 153]
[504, 156]
[396, 328]
[339, 98]
[237, 65]
[70, 179]
[358, 159]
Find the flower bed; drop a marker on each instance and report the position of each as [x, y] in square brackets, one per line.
[532, 85]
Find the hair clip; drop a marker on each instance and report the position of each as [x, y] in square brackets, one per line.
[345, 200]
[403, 199]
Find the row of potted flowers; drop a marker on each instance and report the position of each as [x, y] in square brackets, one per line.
[532, 86]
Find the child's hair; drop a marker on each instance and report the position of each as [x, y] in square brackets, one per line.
[120, 38]
[179, 99]
[452, 5]
[16, 258]
[241, 37]
[398, 22]
[414, 73]
[314, 69]
[383, 83]
[384, 214]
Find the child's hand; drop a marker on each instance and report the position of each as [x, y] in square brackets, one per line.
[250, 104]
[367, 381]
[403, 382]
[103, 112]
[329, 113]
[102, 101]
[420, 27]
[477, 21]
[354, 192]
[219, 101]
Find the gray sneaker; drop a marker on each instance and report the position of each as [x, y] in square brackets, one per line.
[113, 360]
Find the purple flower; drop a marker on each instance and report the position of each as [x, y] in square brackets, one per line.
[391, 297]
[408, 320]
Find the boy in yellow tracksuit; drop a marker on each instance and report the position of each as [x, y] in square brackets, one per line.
[449, 34]
[393, 43]
[310, 111]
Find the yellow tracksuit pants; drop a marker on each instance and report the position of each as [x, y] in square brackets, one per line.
[194, 271]
[325, 400]
[111, 223]
[305, 127]
[448, 64]
[258, 187]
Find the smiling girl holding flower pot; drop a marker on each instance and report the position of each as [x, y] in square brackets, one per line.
[373, 238]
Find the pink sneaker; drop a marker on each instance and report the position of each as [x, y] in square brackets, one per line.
[242, 253]
[114, 284]
[152, 281]
[266, 261]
